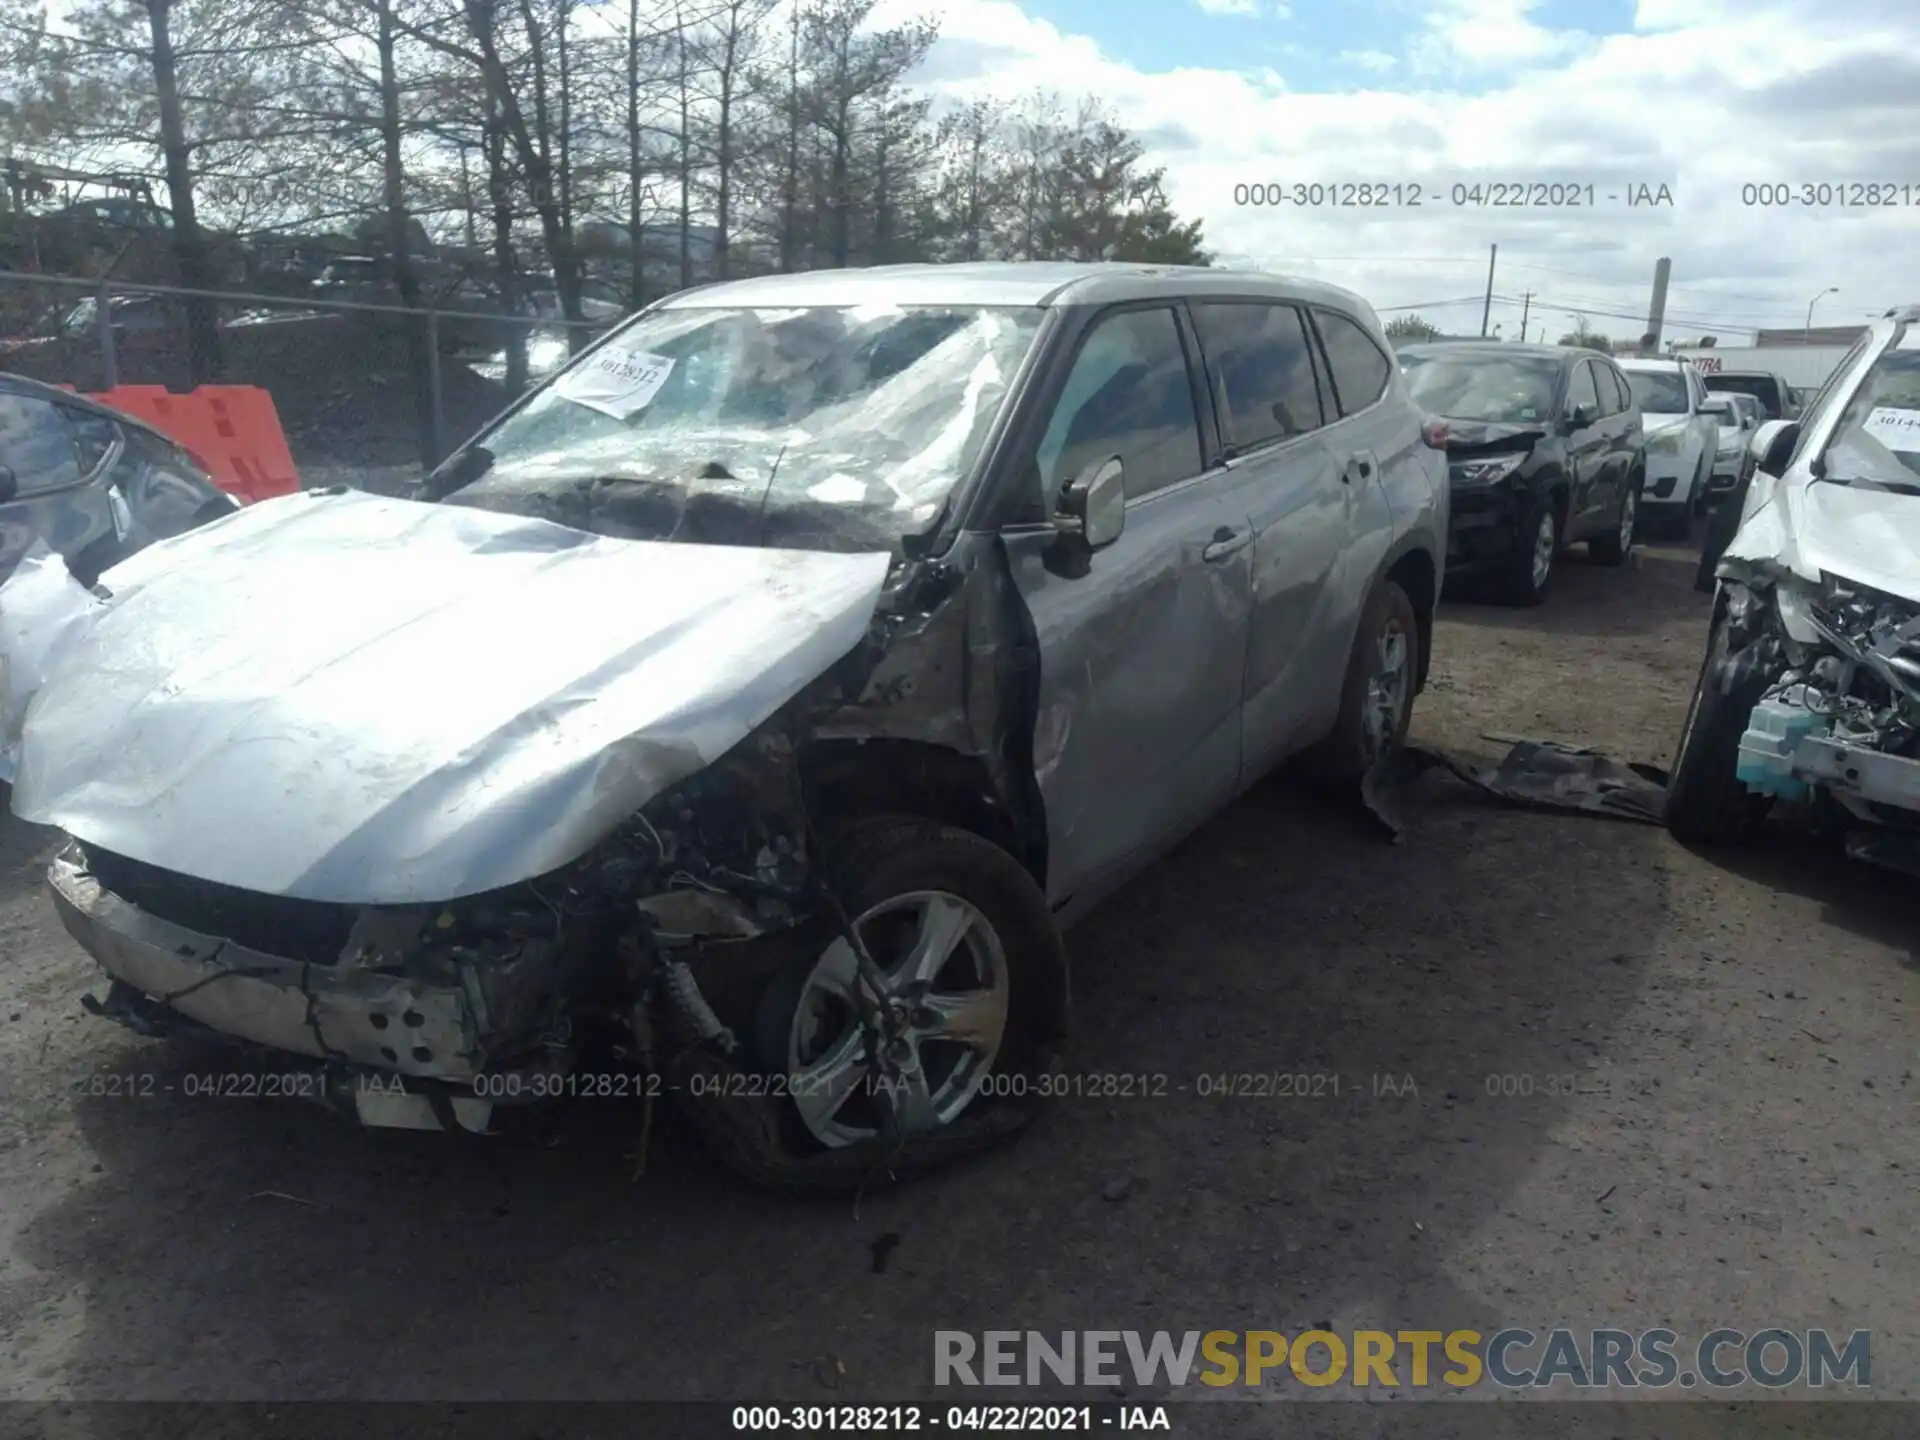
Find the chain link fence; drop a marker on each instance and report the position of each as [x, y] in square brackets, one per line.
[341, 371]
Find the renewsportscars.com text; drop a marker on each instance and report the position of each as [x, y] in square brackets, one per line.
[1772, 1358]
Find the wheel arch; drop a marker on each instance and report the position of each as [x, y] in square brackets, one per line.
[847, 778]
[1415, 572]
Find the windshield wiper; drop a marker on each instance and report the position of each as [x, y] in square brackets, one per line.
[1871, 482]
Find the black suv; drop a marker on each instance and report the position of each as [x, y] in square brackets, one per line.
[1544, 448]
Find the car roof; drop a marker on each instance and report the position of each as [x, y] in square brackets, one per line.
[1500, 347]
[1013, 283]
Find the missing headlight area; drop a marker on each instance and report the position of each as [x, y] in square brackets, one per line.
[1812, 693]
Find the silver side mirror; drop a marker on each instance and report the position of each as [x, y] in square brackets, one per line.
[1094, 506]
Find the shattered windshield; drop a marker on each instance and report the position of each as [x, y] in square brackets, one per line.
[1498, 389]
[1877, 440]
[817, 426]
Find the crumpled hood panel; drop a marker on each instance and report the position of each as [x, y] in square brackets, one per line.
[1811, 527]
[347, 698]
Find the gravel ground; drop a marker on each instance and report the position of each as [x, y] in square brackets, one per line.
[1719, 1052]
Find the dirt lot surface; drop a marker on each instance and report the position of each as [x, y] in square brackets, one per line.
[1711, 1122]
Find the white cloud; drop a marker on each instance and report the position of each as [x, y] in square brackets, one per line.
[1230, 7]
[1378, 61]
[1689, 99]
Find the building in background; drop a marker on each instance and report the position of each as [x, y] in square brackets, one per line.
[1820, 335]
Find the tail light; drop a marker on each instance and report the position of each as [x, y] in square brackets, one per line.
[1434, 434]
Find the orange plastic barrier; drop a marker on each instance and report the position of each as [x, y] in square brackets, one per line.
[233, 430]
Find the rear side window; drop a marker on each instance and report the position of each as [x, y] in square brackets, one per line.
[1582, 391]
[1360, 371]
[1129, 394]
[1622, 396]
[1262, 363]
[36, 445]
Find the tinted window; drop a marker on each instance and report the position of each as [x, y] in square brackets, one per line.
[1359, 369]
[36, 444]
[1582, 390]
[1263, 363]
[1129, 394]
[1622, 396]
[1762, 387]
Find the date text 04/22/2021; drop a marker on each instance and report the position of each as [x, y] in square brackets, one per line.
[1454, 195]
[953, 1419]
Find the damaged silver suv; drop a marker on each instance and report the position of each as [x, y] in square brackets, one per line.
[752, 704]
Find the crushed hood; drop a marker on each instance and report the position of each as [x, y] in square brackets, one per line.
[340, 697]
[1473, 438]
[1815, 527]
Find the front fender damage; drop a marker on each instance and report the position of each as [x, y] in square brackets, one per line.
[653, 949]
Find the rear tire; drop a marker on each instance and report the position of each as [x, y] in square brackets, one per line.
[1616, 545]
[1706, 802]
[1375, 707]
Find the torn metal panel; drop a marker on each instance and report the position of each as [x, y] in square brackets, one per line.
[1535, 774]
[414, 702]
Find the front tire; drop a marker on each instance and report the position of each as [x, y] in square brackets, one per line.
[1529, 569]
[974, 964]
[1706, 802]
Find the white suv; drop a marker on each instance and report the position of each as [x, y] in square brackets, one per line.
[1682, 422]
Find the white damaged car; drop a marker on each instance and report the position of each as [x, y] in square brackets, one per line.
[1810, 691]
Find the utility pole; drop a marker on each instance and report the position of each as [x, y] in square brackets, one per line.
[1486, 310]
[1526, 305]
[1657, 312]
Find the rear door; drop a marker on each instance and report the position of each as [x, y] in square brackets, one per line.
[1143, 656]
[1622, 430]
[1273, 405]
[1586, 451]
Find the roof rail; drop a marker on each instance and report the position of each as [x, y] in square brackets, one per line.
[1904, 313]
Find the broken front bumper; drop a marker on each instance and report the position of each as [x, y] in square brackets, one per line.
[364, 1023]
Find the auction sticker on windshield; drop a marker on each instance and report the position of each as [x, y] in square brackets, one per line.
[617, 382]
[1898, 430]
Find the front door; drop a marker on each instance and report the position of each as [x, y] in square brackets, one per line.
[1141, 657]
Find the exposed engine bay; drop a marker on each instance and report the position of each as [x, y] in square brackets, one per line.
[1837, 722]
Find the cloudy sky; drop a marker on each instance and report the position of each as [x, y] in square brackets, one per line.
[1703, 96]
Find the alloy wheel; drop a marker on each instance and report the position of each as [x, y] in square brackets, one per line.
[1545, 543]
[1627, 509]
[946, 986]
[1388, 684]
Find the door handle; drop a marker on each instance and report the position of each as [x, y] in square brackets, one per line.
[1360, 464]
[1225, 542]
